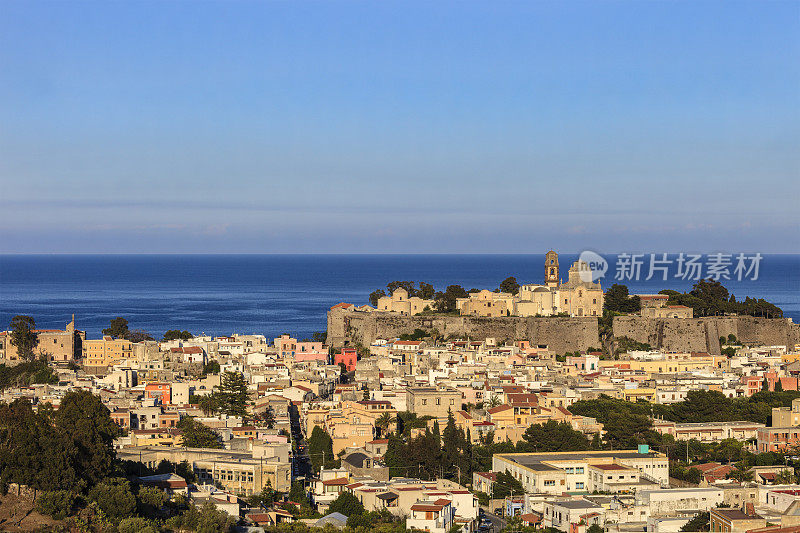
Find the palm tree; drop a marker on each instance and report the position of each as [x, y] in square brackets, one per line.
[383, 423]
[209, 405]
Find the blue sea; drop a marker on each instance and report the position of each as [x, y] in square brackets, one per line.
[274, 294]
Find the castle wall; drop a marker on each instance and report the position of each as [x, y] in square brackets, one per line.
[561, 334]
[565, 334]
[702, 334]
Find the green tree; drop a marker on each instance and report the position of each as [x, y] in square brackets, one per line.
[23, 336]
[139, 335]
[184, 469]
[209, 404]
[505, 484]
[709, 297]
[618, 300]
[407, 285]
[176, 334]
[710, 290]
[212, 367]
[452, 442]
[700, 522]
[509, 285]
[555, 436]
[118, 328]
[206, 519]
[446, 301]
[56, 503]
[691, 475]
[198, 435]
[297, 493]
[153, 496]
[594, 528]
[741, 474]
[383, 423]
[374, 296]
[320, 449]
[114, 497]
[626, 423]
[347, 504]
[269, 417]
[84, 419]
[426, 291]
[266, 497]
[136, 524]
[233, 394]
[418, 335]
[34, 452]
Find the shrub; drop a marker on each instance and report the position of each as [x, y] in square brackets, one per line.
[56, 503]
[153, 496]
[114, 497]
[136, 524]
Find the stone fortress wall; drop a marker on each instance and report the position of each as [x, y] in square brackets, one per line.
[560, 333]
[702, 334]
[564, 334]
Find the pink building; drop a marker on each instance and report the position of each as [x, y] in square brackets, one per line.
[310, 351]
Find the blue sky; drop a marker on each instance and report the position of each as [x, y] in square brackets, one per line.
[399, 126]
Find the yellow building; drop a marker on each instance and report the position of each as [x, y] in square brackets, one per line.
[536, 300]
[487, 303]
[579, 296]
[669, 311]
[55, 344]
[668, 365]
[105, 352]
[634, 395]
[399, 302]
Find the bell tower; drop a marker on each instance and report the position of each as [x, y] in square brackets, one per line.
[551, 269]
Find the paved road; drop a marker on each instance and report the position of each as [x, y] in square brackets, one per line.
[301, 463]
[498, 523]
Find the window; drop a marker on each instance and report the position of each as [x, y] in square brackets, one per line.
[579, 485]
[549, 482]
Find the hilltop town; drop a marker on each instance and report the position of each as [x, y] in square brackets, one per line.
[427, 429]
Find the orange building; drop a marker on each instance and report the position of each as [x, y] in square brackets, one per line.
[160, 391]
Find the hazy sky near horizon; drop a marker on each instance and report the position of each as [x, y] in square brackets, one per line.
[399, 126]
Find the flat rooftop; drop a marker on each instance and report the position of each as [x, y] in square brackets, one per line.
[542, 467]
[577, 504]
[529, 459]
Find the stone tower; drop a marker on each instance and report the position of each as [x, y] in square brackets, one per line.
[551, 269]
